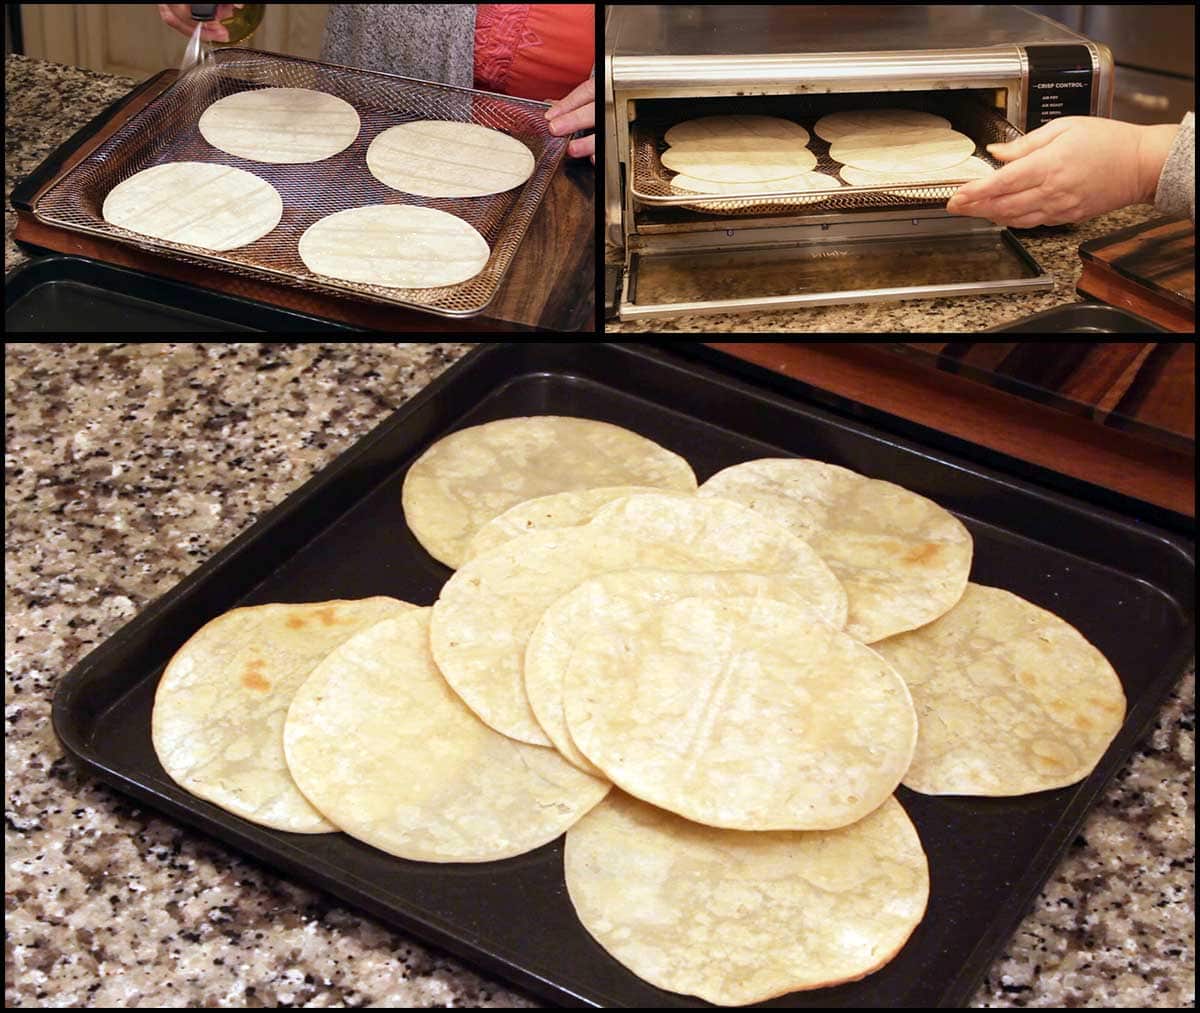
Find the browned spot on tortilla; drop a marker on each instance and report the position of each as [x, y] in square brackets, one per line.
[328, 616]
[295, 623]
[922, 553]
[1027, 679]
[252, 678]
[1083, 722]
[1051, 757]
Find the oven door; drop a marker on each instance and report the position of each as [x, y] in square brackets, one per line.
[733, 269]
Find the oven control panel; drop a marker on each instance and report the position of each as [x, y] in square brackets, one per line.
[1061, 82]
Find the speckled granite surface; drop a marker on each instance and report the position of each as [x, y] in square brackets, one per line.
[44, 104]
[1055, 248]
[126, 468]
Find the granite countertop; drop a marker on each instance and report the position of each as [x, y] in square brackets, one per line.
[130, 465]
[45, 103]
[1055, 248]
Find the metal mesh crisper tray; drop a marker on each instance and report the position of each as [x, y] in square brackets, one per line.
[652, 180]
[166, 131]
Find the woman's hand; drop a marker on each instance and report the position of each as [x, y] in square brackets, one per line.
[576, 111]
[1068, 170]
[179, 17]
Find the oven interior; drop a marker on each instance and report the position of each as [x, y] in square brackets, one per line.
[685, 253]
[658, 208]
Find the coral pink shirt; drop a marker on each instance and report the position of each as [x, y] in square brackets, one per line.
[536, 51]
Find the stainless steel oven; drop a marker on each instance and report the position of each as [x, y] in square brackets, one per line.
[993, 71]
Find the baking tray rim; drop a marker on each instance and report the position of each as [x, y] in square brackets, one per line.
[54, 267]
[279, 850]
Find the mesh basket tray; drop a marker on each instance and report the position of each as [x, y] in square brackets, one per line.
[652, 180]
[166, 131]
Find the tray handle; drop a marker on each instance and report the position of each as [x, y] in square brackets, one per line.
[28, 189]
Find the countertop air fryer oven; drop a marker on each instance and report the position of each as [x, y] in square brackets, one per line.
[994, 72]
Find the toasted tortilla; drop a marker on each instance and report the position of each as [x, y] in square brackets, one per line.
[736, 917]
[742, 713]
[383, 747]
[557, 510]
[217, 724]
[1011, 699]
[473, 475]
[487, 611]
[606, 601]
[903, 559]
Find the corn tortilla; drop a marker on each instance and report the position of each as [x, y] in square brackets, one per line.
[487, 611]
[736, 917]
[903, 559]
[382, 746]
[1011, 699]
[742, 713]
[446, 158]
[217, 724]
[557, 510]
[613, 598]
[395, 246]
[472, 475]
[862, 121]
[215, 207]
[717, 129]
[283, 125]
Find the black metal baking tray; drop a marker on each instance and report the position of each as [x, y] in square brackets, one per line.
[75, 295]
[1080, 318]
[1126, 585]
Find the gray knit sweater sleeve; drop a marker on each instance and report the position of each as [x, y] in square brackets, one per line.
[433, 42]
[1176, 194]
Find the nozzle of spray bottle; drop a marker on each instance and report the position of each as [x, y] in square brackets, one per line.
[197, 52]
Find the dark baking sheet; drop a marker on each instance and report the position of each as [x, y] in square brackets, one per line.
[1127, 586]
[77, 295]
[1082, 318]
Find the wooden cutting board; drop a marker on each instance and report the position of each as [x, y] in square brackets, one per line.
[1148, 269]
[872, 374]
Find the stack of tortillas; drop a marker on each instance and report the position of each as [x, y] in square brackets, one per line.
[878, 147]
[733, 155]
[679, 679]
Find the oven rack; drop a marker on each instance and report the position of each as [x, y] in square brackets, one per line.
[652, 180]
[166, 131]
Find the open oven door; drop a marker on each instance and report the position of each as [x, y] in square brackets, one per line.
[612, 291]
[766, 269]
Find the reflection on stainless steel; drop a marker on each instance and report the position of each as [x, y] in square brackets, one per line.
[712, 29]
